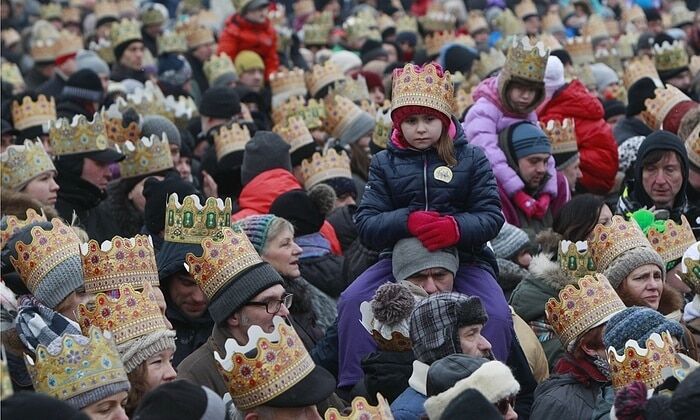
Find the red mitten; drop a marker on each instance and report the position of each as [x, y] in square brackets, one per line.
[420, 218]
[439, 234]
[525, 203]
[541, 206]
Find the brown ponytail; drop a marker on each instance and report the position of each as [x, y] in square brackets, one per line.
[446, 149]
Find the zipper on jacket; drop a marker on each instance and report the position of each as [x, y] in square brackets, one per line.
[425, 179]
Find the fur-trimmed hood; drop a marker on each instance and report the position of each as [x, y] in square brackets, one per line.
[547, 271]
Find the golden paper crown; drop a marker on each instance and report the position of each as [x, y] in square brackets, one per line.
[196, 34]
[609, 242]
[230, 138]
[581, 50]
[266, 367]
[20, 164]
[303, 8]
[218, 65]
[172, 42]
[43, 50]
[575, 259]
[642, 364]
[80, 365]
[340, 113]
[595, 27]
[146, 156]
[104, 49]
[526, 8]
[14, 225]
[633, 13]
[68, 43]
[106, 8]
[464, 99]
[46, 250]
[181, 110]
[551, 23]
[118, 262]
[324, 167]
[288, 82]
[152, 16]
[222, 259]
[359, 28]
[385, 22]
[354, 89]
[590, 303]
[9, 72]
[127, 316]
[362, 410]
[316, 33]
[70, 15]
[489, 61]
[670, 56]
[562, 135]
[295, 133]
[674, 241]
[680, 15]
[148, 100]
[690, 268]
[692, 145]
[435, 40]
[5, 378]
[658, 107]
[313, 112]
[476, 22]
[525, 60]
[638, 68]
[625, 46]
[124, 31]
[190, 222]
[508, 24]
[610, 58]
[78, 136]
[114, 126]
[321, 76]
[423, 86]
[29, 113]
[406, 23]
[550, 42]
[50, 11]
[436, 20]
[382, 127]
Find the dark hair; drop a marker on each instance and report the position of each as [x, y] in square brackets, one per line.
[593, 338]
[577, 218]
[655, 157]
[139, 387]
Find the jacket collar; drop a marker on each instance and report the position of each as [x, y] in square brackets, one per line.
[419, 377]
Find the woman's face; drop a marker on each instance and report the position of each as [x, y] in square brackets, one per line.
[283, 254]
[643, 287]
[109, 408]
[69, 306]
[159, 369]
[605, 216]
[43, 188]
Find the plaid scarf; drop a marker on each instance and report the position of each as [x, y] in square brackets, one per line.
[38, 324]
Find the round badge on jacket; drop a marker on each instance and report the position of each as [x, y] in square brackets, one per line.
[443, 173]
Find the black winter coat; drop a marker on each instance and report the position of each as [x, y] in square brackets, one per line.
[80, 196]
[326, 273]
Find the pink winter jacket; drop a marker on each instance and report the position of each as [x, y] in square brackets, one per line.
[484, 120]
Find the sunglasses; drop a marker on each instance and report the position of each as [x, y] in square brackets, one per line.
[505, 404]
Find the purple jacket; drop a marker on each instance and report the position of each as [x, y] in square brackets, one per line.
[355, 343]
[484, 120]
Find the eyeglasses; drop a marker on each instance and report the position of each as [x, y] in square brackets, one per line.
[505, 404]
[274, 305]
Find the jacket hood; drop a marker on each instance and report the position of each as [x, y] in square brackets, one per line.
[171, 257]
[488, 89]
[262, 190]
[548, 272]
[574, 101]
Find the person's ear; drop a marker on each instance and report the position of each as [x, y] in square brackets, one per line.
[234, 320]
[588, 349]
[251, 416]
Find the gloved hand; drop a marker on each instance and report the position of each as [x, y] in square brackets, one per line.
[541, 206]
[439, 234]
[420, 218]
[525, 203]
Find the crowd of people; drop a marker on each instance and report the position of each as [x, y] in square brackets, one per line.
[305, 209]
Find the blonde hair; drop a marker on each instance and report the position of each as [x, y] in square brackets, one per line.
[446, 149]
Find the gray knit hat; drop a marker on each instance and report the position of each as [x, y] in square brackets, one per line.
[265, 151]
[409, 257]
[156, 124]
[90, 60]
[361, 126]
[136, 351]
[509, 241]
[630, 260]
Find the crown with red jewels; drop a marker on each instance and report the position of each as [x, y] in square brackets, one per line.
[322, 167]
[426, 86]
[114, 126]
[13, 224]
[670, 56]
[362, 410]
[295, 133]
[19, 164]
[658, 107]
[642, 364]
[672, 243]
[29, 113]
[561, 134]
[190, 222]
[609, 242]
[230, 138]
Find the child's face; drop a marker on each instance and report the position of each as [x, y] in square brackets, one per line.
[523, 259]
[521, 97]
[421, 131]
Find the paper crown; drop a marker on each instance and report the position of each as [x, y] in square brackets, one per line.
[68, 43]
[103, 48]
[190, 222]
[658, 107]
[633, 13]
[464, 99]
[152, 16]
[362, 410]
[321, 76]
[476, 22]
[638, 68]
[551, 23]
[148, 100]
[172, 42]
[526, 61]
[217, 66]
[581, 50]
[322, 167]
[29, 113]
[489, 61]
[145, 156]
[575, 259]
[20, 164]
[625, 46]
[114, 126]
[406, 23]
[79, 365]
[313, 112]
[13, 225]
[670, 56]
[316, 34]
[295, 133]
[106, 8]
[50, 11]
[71, 15]
[595, 27]
[436, 39]
[562, 135]
[385, 22]
[78, 136]
[127, 8]
[590, 303]
[222, 260]
[672, 243]
[340, 113]
[124, 31]
[680, 15]
[436, 20]
[195, 33]
[508, 24]
[426, 86]
[526, 8]
[690, 268]
[9, 73]
[609, 242]
[46, 250]
[382, 127]
[354, 89]
[43, 50]
[288, 82]
[642, 364]
[611, 58]
[118, 262]
[550, 42]
[230, 138]
[692, 145]
[128, 315]
[358, 29]
[266, 367]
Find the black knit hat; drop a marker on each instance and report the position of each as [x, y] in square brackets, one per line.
[180, 400]
[265, 151]
[458, 58]
[640, 90]
[220, 102]
[613, 108]
[35, 405]
[157, 192]
[306, 211]
[84, 85]
[471, 404]
[372, 50]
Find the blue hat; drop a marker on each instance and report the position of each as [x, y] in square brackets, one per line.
[528, 139]
[637, 323]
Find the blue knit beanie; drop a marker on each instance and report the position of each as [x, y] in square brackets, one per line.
[528, 139]
[256, 228]
[174, 69]
[637, 323]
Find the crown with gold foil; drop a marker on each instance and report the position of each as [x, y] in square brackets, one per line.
[29, 113]
[489, 61]
[362, 410]
[660, 106]
[525, 9]
[266, 367]
[114, 126]
[526, 61]
[145, 156]
[575, 259]
[196, 34]
[692, 145]
[611, 58]
[581, 50]
[359, 28]
[670, 56]
[324, 167]
[79, 365]
[43, 50]
[230, 138]
[9, 73]
[172, 42]
[78, 136]
[340, 113]
[642, 364]
[595, 27]
[675, 239]
[222, 260]
[104, 49]
[14, 225]
[562, 135]
[436, 20]
[435, 40]
[638, 68]
[354, 89]
[5, 379]
[313, 112]
[50, 11]
[295, 133]
[476, 22]
[382, 127]
[321, 76]
[218, 65]
[180, 110]
[464, 99]
[632, 14]
[106, 8]
[303, 8]
[288, 82]
[148, 100]
[190, 222]
[680, 15]
[68, 43]
[124, 31]
[70, 15]
[20, 164]
[151, 15]
[690, 268]
[316, 33]
[46, 250]
[426, 86]
[609, 242]
[508, 24]
[551, 23]
[588, 304]
[406, 23]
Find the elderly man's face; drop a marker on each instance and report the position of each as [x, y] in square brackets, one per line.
[472, 343]
[433, 280]
[663, 180]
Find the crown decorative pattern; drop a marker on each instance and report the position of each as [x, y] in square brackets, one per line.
[78, 136]
[609, 242]
[68, 43]
[579, 308]
[525, 60]
[354, 89]
[562, 135]
[489, 61]
[124, 31]
[19, 164]
[9, 72]
[436, 20]
[172, 42]
[575, 259]
[658, 107]
[382, 127]
[690, 268]
[436, 39]
[672, 243]
[217, 66]
[595, 27]
[13, 225]
[476, 22]
[313, 112]
[222, 260]
[146, 156]
[288, 82]
[670, 56]
[642, 364]
[229, 139]
[340, 113]
[295, 133]
[638, 68]
[322, 167]
[407, 23]
[611, 58]
[362, 410]
[31, 113]
[118, 262]
[79, 365]
[692, 145]
[269, 365]
[46, 250]
[426, 86]
[190, 222]
[321, 76]
[581, 50]
[117, 133]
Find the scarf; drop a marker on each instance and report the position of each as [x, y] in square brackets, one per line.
[39, 324]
